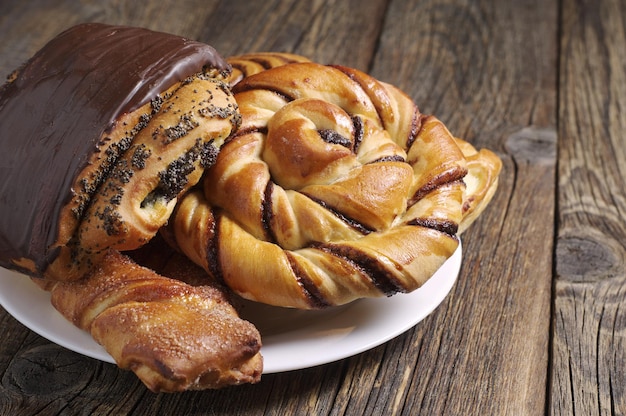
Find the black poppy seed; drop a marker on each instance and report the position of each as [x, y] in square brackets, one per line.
[236, 121]
[140, 155]
[208, 155]
[108, 161]
[156, 104]
[111, 220]
[212, 111]
[184, 126]
[144, 119]
[84, 184]
[174, 178]
[116, 199]
[123, 172]
[224, 87]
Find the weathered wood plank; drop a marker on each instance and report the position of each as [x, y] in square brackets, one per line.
[343, 32]
[589, 346]
[478, 67]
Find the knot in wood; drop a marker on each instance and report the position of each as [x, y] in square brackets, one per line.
[585, 259]
[533, 145]
[47, 370]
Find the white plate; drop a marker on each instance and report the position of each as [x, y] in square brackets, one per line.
[292, 339]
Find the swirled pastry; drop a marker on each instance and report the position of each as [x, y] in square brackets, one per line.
[102, 130]
[334, 188]
[483, 166]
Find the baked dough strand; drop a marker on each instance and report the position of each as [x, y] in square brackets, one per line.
[173, 335]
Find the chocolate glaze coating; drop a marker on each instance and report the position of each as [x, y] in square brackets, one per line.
[57, 107]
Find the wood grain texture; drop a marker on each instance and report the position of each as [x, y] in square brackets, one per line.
[589, 346]
[492, 81]
[341, 32]
[536, 322]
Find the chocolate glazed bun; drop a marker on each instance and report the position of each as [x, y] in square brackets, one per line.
[102, 130]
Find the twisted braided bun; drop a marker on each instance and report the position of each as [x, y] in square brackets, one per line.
[334, 188]
[174, 334]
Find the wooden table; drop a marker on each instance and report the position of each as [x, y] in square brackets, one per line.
[536, 322]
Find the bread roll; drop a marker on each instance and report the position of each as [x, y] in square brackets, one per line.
[334, 188]
[102, 130]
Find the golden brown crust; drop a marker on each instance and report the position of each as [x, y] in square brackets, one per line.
[483, 168]
[173, 335]
[152, 156]
[334, 176]
[252, 63]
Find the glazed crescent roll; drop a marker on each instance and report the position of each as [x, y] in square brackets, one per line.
[334, 188]
[103, 130]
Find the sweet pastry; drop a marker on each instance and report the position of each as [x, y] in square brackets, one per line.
[483, 166]
[106, 127]
[173, 332]
[335, 187]
[252, 63]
